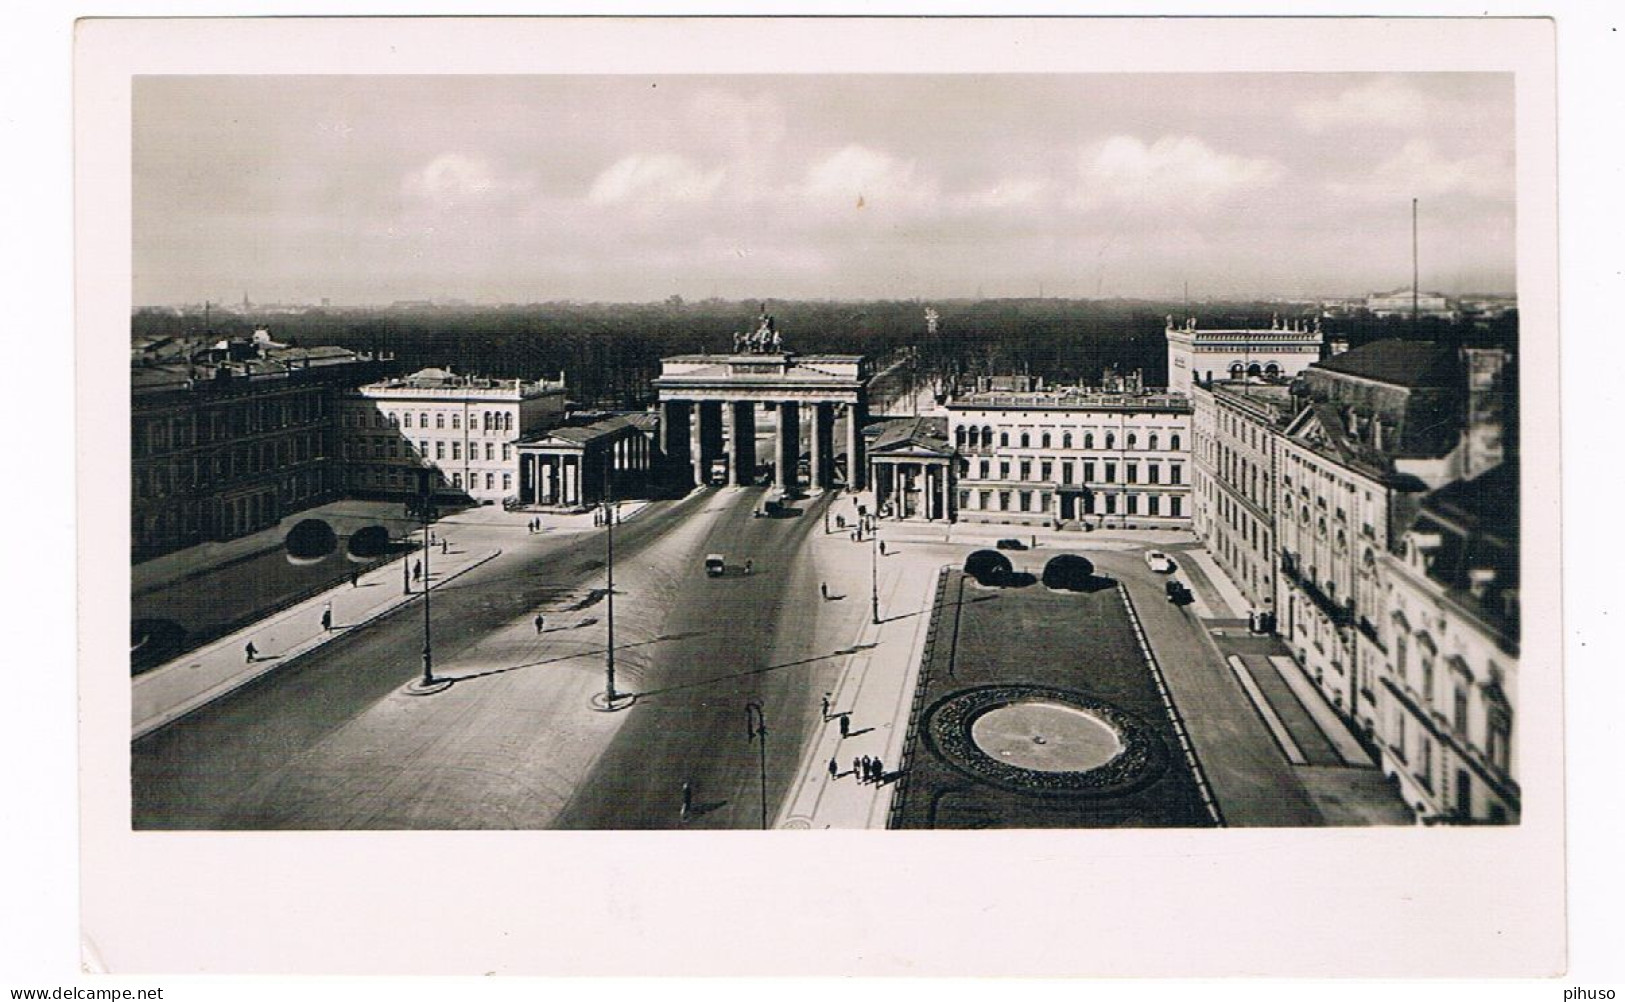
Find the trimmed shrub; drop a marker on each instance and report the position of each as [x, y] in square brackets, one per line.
[988, 567]
[1069, 572]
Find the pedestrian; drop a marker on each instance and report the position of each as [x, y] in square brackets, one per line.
[327, 620]
[688, 798]
[834, 770]
[823, 589]
[846, 725]
[826, 706]
[748, 566]
[444, 544]
[355, 579]
[867, 772]
[1035, 541]
[417, 571]
[879, 771]
[857, 769]
[250, 652]
[538, 622]
[883, 547]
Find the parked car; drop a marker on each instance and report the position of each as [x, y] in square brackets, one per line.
[1011, 544]
[1159, 562]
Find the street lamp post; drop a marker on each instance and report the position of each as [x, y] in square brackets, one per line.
[428, 656]
[874, 576]
[756, 727]
[609, 614]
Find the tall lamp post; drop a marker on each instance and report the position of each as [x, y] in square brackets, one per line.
[610, 700]
[756, 727]
[874, 575]
[425, 507]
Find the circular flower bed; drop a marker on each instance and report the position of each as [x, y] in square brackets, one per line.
[1140, 758]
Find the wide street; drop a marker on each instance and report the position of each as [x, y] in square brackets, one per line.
[332, 741]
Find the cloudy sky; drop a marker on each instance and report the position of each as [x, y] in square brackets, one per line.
[370, 189]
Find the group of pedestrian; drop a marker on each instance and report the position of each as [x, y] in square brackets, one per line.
[534, 525]
[868, 770]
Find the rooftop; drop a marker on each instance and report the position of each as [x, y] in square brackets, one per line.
[1396, 362]
[1072, 398]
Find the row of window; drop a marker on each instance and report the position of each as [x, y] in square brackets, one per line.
[982, 438]
[224, 465]
[489, 421]
[389, 447]
[1092, 504]
[393, 478]
[218, 424]
[1045, 468]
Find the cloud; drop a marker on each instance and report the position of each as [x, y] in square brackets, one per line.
[859, 177]
[1417, 169]
[654, 178]
[1383, 102]
[1175, 173]
[455, 180]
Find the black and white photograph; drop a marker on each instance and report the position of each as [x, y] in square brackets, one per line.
[757, 437]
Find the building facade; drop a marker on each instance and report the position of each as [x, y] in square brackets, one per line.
[466, 428]
[1282, 351]
[1236, 427]
[228, 437]
[911, 466]
[1073, 456]
[1447, 653]
[576, 465]
[1381, 426]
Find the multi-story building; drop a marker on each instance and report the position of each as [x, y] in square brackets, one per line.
[227, 437]
[1401, 303]
[1447, 653]
[1383, 424]
[1236, 426]
[1111, 456]
[1281, 351]
[464, 427]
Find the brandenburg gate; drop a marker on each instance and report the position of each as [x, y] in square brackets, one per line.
[708, 407]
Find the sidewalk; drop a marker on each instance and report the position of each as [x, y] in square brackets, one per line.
[172, 690]
[875, 689]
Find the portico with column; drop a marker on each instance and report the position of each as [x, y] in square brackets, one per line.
[575, 466]
[913, 468]
[727, 397]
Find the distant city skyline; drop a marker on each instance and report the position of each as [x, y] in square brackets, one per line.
[367, 190]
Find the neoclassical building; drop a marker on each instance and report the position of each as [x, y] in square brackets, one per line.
[465, 427]
[229, 436]
[1447, 651]
[1117, 456]
[1281, 351]
[1236, 426]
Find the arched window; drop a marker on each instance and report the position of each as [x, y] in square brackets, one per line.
[959, 436]
[1131, 440]
[1088, 440]
[987, 437]
[1024, 440]
[1173, 442]
[1236, 369]
[1255, 370]
[1111, 440]
[1066, 440]
[1272, 369]
[507, 422]
[1152, 442]
[1004, 439]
